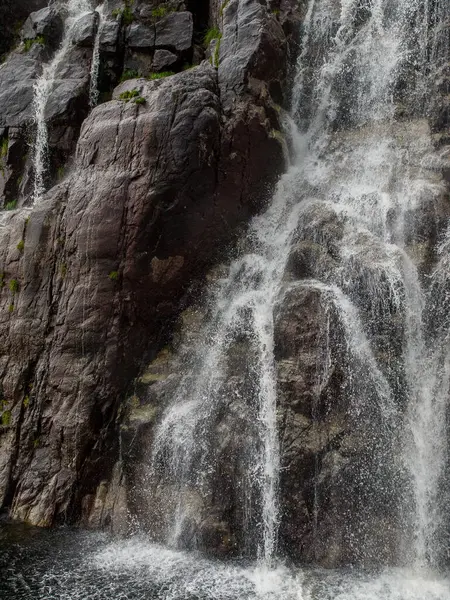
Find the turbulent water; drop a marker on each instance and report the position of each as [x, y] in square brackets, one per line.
[42, 90]
[73, 566]
[365, 184]
[367, 167]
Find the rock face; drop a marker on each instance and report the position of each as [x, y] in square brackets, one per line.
[101, 280]
[93, 276]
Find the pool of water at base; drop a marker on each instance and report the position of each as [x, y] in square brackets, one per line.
[75, 565]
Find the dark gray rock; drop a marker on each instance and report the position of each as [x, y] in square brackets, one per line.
[163, 60]
[140, 36]
[253, 45]
[175, 32]
[46, 22]
[85, 30]
[17, 77]
[109, 36]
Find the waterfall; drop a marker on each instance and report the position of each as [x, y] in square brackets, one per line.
[93, 88]
[42, 90]
[366, 159]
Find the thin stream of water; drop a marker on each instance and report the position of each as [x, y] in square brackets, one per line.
[42, 90]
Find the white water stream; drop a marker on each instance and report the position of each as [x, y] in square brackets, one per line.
[373, 175]
[93, 88]
[43, 89]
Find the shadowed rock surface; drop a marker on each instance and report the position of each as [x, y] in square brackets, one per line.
[94, 275]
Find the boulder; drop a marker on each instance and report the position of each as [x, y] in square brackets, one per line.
[109, 36]
[140, 36]
[17, 77]
[85, 29]
[47, 23]
[175, 32]
[163, 60]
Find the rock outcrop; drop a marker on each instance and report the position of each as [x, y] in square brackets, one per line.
[93, 276]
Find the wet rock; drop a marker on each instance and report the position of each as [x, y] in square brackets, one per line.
[85, 29]
[17, 77]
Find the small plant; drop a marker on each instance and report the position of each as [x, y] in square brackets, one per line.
[63, 270]
[60, 173]
[29, 43]
[161, 11]
[37, 442]
[130, 74]
[223, 7]
[14, 286]
[114, 275]
[127, 16]
[139, 100]
[4, 147]
[211, 34]
[26, 401]
[20, 246]
[129, 95]
[6, 418]
[11, 307]
[161, 75]
[276, 12]
[11, 205]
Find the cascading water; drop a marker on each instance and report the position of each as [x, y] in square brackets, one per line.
[366, 159]
[95, 67]
[42, 90]
[366, 197]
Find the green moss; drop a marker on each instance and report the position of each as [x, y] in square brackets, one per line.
[161, 75]
[26, 401]
[139, 100]
[6, 418]
[130, 74]
[11, 307]
[223, 7]
[60, 173]
[211, 34]
[4, 147]
[37, 442]
[63, 270]
[114, 275]
[126, 14]
[129, 95]
[20, 246]
[13, 286]
[161, 11]
[11, 205]
[217, 52]
[29, 43]
[276, 135]
[276, 12]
